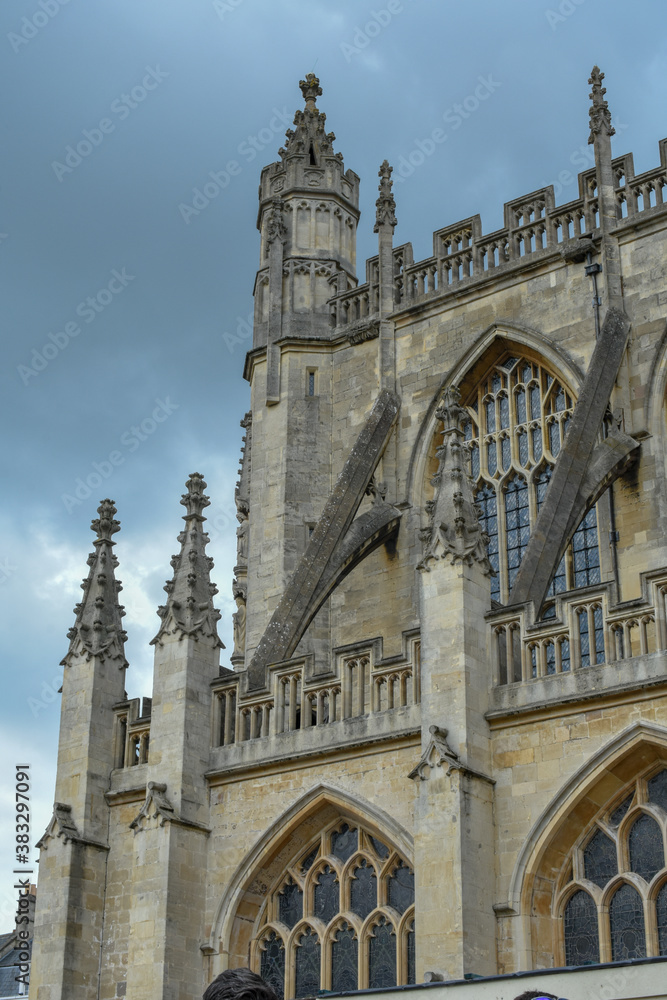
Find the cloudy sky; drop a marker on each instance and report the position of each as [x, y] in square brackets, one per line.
[126, 300]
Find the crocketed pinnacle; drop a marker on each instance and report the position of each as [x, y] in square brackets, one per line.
[454, 528]
[98, 630]
[308, 135]
[599, 115]
[385, 206]
[189, 609]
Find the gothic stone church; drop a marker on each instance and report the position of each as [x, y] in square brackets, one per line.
[440, 750]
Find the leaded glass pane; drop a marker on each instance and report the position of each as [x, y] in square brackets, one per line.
[272, 964]
[491, 457]
[620, 811]
[554, 438]
[467, 431]
[506, 453]
[486, 499]
[533, 661]
[565, 661]
[600, 862]
[516, 524]
[382, 956]
[657, 789]
[521, 406]
[307, 965]
[585, 551]
[495, 382]
[626, 920]
[559, 581]
[526, 373]
[584, 643]
[536, 438]
[344, 960]
[290, 904]
[560, 400]
[326, 895]
[598, 627]
[504, 412]
[309, 859]
[363, 890]
[401, 888]
[380, 849]
[582, 943]
[474, 461]
[344, 842]
[523, 448]
[509, 363]
[647, 853]
[661, 910]
[490, 412]
[551, 658]
[534, 397]
[411, 955]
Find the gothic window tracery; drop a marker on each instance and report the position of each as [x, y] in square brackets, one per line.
[613, 894]
[340, 917]
[519, 416]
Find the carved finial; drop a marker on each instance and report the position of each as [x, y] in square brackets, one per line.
[385, 206]
[98, 630]
[599, 112]
[308, 136]
[454, 529]
[189, 609]
[311, 90]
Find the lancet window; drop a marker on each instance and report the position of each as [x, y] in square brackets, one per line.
[341, 917]
[612, 904]
[519, 416]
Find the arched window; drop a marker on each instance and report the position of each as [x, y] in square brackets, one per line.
[628, 840]
[361, 891]
[519, 416]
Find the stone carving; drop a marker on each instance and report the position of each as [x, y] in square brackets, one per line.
[599, 115]
[61, 825]
[309, 136]
[385, 206]
[97, 630]
[275, 226]
[242, 534]
[189, 609]
[436, 754]
[454, 528]
[155, 805]
[363, 329]
[240, 591]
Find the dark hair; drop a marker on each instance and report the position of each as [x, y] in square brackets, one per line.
[534, 994]
[239, 984]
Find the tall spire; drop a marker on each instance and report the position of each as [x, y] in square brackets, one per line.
[98, 630]
[599, 115]
[189, 609]
[309, 136]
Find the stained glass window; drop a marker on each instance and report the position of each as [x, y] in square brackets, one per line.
[382, 956]
[657, 789]
[600, 862]
[585, 552]
[381, 849]
[411, 954]
[620, 811]
[344, 842]
[363, 890]
[626, 921]
[272, 968]
[401, 888]
[647, 854]
[307, 964]
[486, 499]
[326, 895]
[564, 655]
[661, 907]
[517, 525]
[584, 638]
[582, 943]
[309, 859]
[344, 960]
[290, 904]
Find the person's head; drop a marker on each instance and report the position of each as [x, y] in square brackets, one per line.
[239, 984]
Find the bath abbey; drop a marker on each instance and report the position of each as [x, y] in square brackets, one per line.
[436, 757]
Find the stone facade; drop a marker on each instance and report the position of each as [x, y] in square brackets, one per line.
[441, 751]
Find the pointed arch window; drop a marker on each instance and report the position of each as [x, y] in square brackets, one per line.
[624, 858]
[519, 415]
[340, 917]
